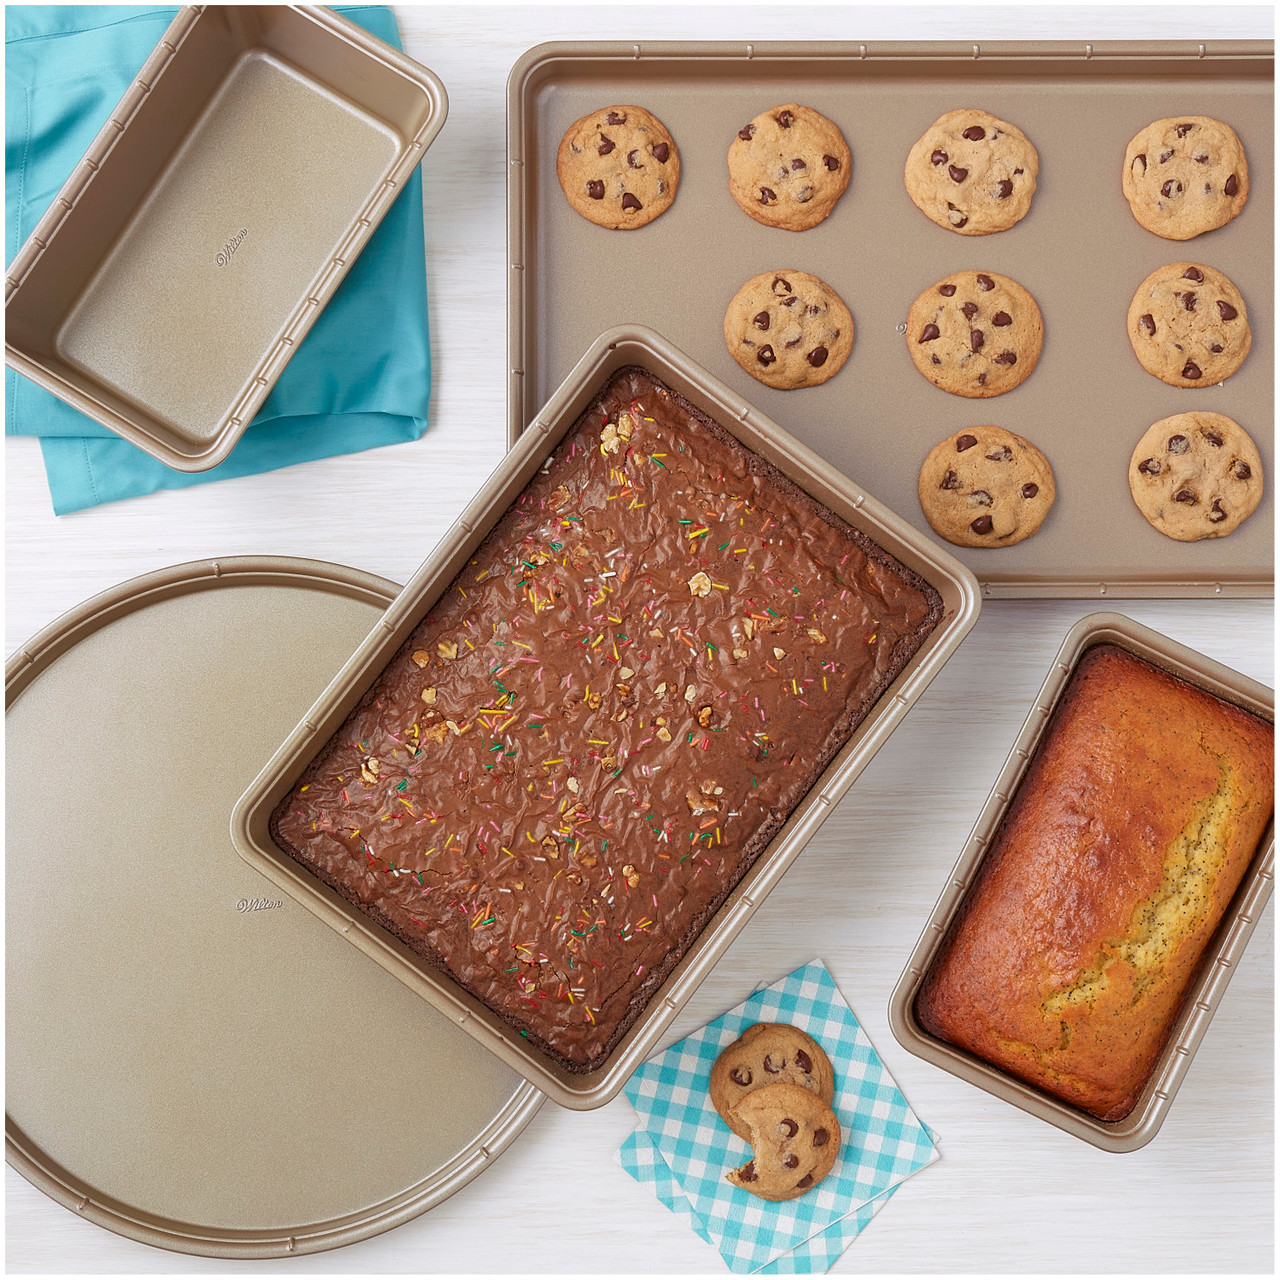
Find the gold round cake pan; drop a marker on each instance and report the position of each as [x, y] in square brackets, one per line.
[193, 1060]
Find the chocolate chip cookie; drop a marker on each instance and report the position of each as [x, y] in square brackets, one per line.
[986, 487]
[1196, 475]
[788, 329]
[976, 334]
[972, 173]
[619, 167]
[795, 1138]
[788, 167]
[768, 1053]
[1188, 326]
[1185, 175]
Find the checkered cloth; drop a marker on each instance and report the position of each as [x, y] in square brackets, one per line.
[683, 1149]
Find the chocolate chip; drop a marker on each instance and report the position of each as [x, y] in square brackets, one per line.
[939, 157]
[1191, 370]
[1226, 310]
[806, 1181]
[790, 302]
[1150, 467]
[1216, 348]
[831, 162]
[793, 342]
[761, 320]
[740, 1075]
[1171, 188]
[970, 310]
[1242, 471]
[957, 174]
[1188, 300]
[965, 442]
[773, 1065]
[595, 189]
[615, 117]
[797, 163]
[785, 118]
[768, 195]
[982, 378]
[1001, 318]
[1232, 186]
[1202, 159]
[789, 1128]
[631, 160]
[949, 481]
[1002, 454]
[1147, 324]
[778, 280]
[1142, 160]
[955, 217]
[1030, 490]
[1194, 273]
[1216, 513]
[1179, 444]
[1004, 189]
[765, 355]
[1185, 495]
[985, 283]
[791, 1160]
[815, 310]
[1207, 188]
[1016, 172]
[820, 1137]
[947, 290]
[975, 133]
[935, 359]
[1183, 129]
[747, 132]
[660, 152]
[817, 357]
[1166, 156]
[748, 1172]
[981, 525]
[631, 204]
[982, 497]
[976, 339]
[929, 332]
[606, 145]
[802, 1060]
[1213, 438]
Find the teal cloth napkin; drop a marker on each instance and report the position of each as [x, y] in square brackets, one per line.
[66, 67]
[682, 1148]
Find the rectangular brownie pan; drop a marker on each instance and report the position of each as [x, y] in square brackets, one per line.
[1078, 251]
[619, 347]
[1221, 956]
[207, 226]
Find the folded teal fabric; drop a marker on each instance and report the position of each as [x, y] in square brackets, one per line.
[362, 376]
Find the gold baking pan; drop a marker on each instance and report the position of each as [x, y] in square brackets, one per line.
[1079, 251]
[1221, 957]
[619, 347]
[192, 1060]
[212, 220]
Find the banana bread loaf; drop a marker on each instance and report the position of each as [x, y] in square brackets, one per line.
[1130, 832]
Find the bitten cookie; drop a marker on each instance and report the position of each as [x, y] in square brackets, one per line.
[768, 1053]
[1185, 175]
[986, 487]
[619, 167]
[795, 1138]
[788, 329]
[975, 334]
[972, 173]
[1196, 475]
[788, 167]
[1188, 326]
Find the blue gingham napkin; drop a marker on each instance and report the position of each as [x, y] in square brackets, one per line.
[683, 1149]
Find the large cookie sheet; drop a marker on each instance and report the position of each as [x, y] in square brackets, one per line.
[1079, 251]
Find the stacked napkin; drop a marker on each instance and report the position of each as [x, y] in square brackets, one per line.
[682, 1149]
[362, 376]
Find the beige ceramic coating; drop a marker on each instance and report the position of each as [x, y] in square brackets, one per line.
[175, 274]
[631, 345]
[1221, 957]
[192, 1060]
[1078, 251]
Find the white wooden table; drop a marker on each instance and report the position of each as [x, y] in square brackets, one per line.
[1011, 1193]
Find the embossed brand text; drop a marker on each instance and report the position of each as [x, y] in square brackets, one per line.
[257, 904]
[224, 255]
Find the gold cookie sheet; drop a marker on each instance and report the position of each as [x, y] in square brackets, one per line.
[1079, 251]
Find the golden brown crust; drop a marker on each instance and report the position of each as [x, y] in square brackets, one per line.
[1131, 830]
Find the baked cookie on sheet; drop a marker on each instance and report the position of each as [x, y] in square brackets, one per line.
[788, 329]
[1185, 175]
[1188, 326]
[986, 487]
[619, 167]
[972, 172]
[795, 1139]
[768, 1053]
[1196, 475]
[975, 334]
[788, 167]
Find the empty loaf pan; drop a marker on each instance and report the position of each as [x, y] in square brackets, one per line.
[212, 219]
[599, 1076]
[1217, 961]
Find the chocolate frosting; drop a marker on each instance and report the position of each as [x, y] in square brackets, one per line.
[605, 718]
